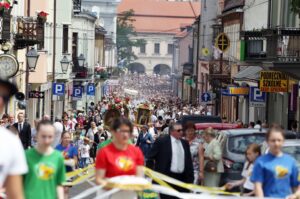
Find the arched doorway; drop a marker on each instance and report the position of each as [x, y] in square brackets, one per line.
[162, 69]
[136, 67]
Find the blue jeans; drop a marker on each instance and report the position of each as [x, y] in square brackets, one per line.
[83, 162]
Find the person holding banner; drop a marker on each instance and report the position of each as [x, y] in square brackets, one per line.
[119, 157]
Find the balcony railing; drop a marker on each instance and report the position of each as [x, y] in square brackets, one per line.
[231, 4]
[276, 45]
[80, 72]
[76, 6]
[30, 31]
[5, 19]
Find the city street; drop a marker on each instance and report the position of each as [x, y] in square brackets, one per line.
[165, 99]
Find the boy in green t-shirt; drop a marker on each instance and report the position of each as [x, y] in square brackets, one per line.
[46, 166]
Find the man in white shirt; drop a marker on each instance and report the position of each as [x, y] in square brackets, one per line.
[12, 158]
[171, 155]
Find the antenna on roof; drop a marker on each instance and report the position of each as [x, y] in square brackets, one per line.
[192, 8]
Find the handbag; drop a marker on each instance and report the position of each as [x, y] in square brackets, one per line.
[210, 166]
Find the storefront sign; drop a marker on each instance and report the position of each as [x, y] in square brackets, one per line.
[257, 98]
[273, 82]
[238, 90]
[235, 91]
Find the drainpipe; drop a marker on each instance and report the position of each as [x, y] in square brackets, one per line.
[269, 13]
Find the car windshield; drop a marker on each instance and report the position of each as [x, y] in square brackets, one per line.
[294, 151]
[239, 144]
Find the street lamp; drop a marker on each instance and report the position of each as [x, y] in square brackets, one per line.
[32, 57]
[64, 64]
[81, 60]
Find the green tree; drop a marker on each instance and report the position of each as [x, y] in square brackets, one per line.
[296, 6]
[125, 33]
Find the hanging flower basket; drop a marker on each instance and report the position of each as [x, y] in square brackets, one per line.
[42, 17]
[4, 5]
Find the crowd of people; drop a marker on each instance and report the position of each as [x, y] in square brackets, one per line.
[164, 144]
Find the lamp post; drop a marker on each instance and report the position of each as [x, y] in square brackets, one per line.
[64, 68]
[64, 64]
[81, 60]
[32, 58]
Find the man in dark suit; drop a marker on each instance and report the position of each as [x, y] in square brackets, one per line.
[144, 140]
[170, 155]
[24, 130]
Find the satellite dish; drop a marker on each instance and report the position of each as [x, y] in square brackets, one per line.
[20, 96]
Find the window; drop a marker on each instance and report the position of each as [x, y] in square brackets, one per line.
[65, 48]
[157, 48]
[255, 48]
[170, 48]
[41, 36]
[143, 48]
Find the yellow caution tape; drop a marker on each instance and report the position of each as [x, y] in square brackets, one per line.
[80, 179]
[212, 190]
[161, 179]
[79, 171]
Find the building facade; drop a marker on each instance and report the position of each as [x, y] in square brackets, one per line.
[106, 11]
[158, 22]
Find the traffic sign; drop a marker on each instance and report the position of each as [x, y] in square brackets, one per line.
[222, 42]
[36, 94]
[257, 98]
[90, 89]
[77, 91]
[58, 89]
[273, 81]
[205, 97]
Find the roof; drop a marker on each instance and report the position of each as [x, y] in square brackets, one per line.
[251, 73]
[161, 16]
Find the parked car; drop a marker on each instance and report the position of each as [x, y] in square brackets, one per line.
[234, 143]
[216, 126]
[200, 119]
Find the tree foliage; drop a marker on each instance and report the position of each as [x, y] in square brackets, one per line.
[125, 35]
[295, 6]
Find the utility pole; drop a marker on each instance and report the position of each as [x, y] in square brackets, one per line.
[53, 59]
[27, 69]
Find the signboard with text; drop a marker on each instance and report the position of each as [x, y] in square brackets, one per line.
[273, 82]
[257, 98]
[36, 94]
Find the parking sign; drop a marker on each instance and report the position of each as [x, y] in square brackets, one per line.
[257, 98]
[58, 89]
[77, 91]
[90, 89]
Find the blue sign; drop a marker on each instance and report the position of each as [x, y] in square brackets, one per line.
[206, 97]
[58, 89]
[77, 91]
[91, 89]
[257, 98]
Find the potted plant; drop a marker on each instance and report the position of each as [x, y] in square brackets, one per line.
[42, 17]
[4, 6]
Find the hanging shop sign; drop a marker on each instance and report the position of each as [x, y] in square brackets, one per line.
[36, 94]
[273, 82]
[222, 42]
[235, 91]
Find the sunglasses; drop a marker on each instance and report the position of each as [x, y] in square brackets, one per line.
[178, 130]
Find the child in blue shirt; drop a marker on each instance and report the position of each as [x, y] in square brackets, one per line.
[276, 174]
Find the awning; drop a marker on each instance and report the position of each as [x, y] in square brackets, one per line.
[251, 73]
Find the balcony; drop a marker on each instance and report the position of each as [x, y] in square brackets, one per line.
[231, 4]
[280, 45]
[80, 72]
[5, 19]
[278, 49]
[30, 31]
[76, 6]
